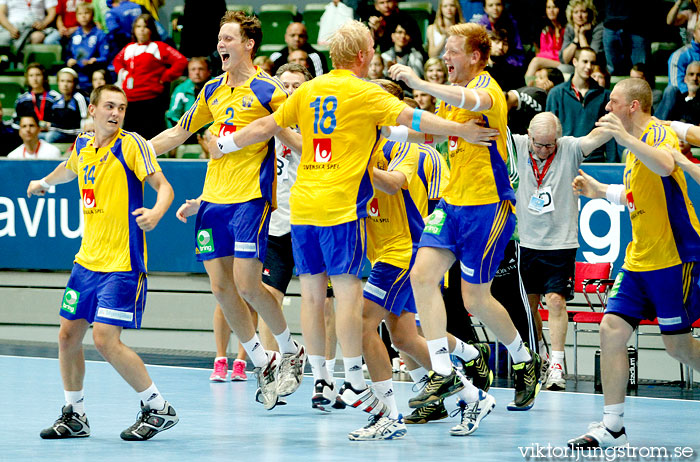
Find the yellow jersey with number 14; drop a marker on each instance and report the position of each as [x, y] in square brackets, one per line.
[250, 173]
[337, 114]
[665, 228]
[478, 174]
[111, 187]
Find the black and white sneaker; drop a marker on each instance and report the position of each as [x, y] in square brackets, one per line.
[68, 425]
[599, 436]
[150, 422]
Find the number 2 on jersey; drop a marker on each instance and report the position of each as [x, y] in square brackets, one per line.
[324, 109]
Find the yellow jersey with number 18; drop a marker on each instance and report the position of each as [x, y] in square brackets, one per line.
[111, 187]
[338, 114]
[250, 173]
[665, 228]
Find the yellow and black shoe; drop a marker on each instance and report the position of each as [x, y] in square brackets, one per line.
[478, 368]
[437, 387]
[425, 414]
[527, 383]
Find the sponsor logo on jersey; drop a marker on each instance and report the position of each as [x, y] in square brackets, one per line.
[374, 208]
[226, 129]
[630, 201]
[88, 198]
[322, 150]
[453, 142]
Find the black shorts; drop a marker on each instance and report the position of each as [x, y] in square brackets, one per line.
[548, 271]
[279, 263]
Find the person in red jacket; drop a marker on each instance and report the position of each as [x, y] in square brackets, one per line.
[144, 67]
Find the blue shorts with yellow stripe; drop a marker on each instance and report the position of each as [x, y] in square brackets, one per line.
[671, 294]
[239, 230]
[117, 298]
[476, 234]
[389, 287]
[338, 249]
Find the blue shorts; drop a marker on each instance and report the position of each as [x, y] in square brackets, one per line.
[389, 287]
[223, 230]
[476, 234]
[669, 294]
[117, 298]
[339, 249]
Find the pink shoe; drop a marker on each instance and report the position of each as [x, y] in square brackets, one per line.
[238, 372]
[220, 370]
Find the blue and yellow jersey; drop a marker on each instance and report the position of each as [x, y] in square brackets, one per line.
[478, 174]
[338, 114]
[395, 221]
[434, 175]
[249, 173]
[111, 187]
[665, 228]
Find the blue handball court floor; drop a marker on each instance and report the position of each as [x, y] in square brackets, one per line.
[221, 421]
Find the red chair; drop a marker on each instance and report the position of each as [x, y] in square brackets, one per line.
[593, 278]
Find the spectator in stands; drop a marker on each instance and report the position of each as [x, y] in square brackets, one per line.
[643, 71]
[198, 73]
[25, 21]
[686, 106]
[32, 147]
[39, 99]
[265, 63]
[601, 75]
[498, 18]
[425, 101]
[335, 15]
[144, 67]
[69, 111]
[551, 39]
[8, 135]
[403, 51]
[582, 30]
[687, 18]
[528, 101]
[677, 64]
[297, 38]
[100, 77]
[498, 66]
[299, 57]
[580, 102]
[382, 22]
[376, 68]
[448, 14]
[89, 48]
[435, 71]
[626, 34]
[120, 21]
[66, 22]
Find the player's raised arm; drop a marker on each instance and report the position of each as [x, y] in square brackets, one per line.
[258, 131]
[59, 175]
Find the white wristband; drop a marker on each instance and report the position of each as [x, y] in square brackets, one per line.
[227, 144]
[614, 192]
[681, 129]
[44, 184]
[399, 133]
[477, 105]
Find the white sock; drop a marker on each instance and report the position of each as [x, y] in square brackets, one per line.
[465, 351]
[517, 350]
[255, 351]
[385, 392]
[469, 393]
[612, 416]
[543, 348]
[330, 365]
[152, 398]
[418, 374]
[440, 356]
[353, 372]
[318, 368]
[557, 358]
[75, 399]
[285, 342]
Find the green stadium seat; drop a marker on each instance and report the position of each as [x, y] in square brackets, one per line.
[312, 19]
[422, 12]
[47, 55]
[275, 19]
[9, 91]
[247, 9]
[268, 49]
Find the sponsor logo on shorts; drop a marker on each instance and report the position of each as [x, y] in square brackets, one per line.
[245, 247]
[435, 222]
[670, 321]
[205, 241]
[466, 270]
[374, 290]
[115, 314]
[616, 286]
[70, 300]
[322, 150]
[374, 208]
[88, 198]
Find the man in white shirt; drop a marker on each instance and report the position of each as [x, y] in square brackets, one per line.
[32, 147]
[25, 21]
[335, 15]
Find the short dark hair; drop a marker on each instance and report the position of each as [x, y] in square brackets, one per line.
[578, 52]
[294, 67]
[251, 27]
[96, 94]
[555, 76]
[30, 115]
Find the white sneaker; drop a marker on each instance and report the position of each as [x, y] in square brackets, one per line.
[267, 380]
[544, 370]
[472, 414]
[365, 400]
[598, 436]
[324, 395]
[380, 428]
[291, 371]
[555, 378]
